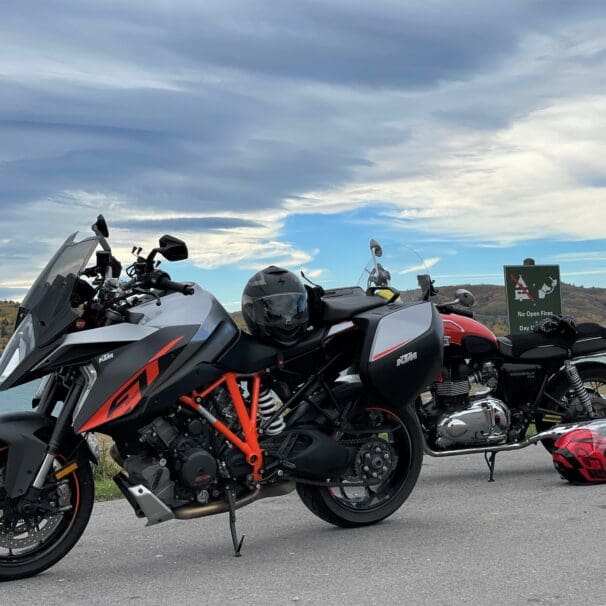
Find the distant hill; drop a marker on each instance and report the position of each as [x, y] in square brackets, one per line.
[8, 314]
[585, 304]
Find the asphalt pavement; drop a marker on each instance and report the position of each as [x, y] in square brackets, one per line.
[528, 538]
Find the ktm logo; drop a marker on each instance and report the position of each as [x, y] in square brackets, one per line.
[406, 358]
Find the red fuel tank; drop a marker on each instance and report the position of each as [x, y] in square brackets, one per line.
[469, 334]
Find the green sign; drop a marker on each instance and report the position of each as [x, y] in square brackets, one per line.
[533, 294]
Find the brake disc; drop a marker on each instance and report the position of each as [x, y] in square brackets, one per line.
[20, 533]
[27, 532]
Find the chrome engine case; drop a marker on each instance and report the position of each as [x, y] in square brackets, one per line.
[484, 421]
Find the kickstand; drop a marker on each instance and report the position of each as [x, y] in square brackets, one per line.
[490, 460]
[231, 500]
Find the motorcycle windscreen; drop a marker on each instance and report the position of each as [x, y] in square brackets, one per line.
[46, 312]
[399, 266]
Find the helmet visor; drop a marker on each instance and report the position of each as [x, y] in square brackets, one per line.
[283, 309]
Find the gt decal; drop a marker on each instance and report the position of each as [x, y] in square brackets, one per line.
[130, 393]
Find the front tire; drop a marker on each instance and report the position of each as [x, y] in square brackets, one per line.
[336, 505]
[22, 555]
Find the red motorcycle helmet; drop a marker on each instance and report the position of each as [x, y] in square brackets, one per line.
[580, 454]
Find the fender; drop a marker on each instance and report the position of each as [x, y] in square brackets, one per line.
[26, 450]
[23, 433]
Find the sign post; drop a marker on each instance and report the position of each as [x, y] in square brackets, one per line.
[533, 294]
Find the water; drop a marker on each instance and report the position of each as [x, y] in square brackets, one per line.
[18, 398]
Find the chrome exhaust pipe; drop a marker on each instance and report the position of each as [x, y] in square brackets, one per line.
[189, 512]
[551, 434]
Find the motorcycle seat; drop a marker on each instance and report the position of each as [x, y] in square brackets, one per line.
[344, 307]
[591, 338]
[249, 354]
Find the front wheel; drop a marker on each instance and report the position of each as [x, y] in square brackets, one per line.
[35, 537]
[389, 459]
[594, 380]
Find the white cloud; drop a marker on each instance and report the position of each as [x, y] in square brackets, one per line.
[491, 153]
[529, 180]
[577, 257]
[425, 266]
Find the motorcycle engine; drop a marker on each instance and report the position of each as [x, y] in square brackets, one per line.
[175, 464]
[462, 419]
[484, 421]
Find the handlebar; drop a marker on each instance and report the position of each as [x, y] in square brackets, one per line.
[163, 282]
[449, 309]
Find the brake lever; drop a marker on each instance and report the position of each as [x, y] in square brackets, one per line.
[148, 292]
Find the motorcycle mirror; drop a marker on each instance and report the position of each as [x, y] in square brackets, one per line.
[426, 285]
[100, 227]
[173, 249]
[464, 297]
[375, 248]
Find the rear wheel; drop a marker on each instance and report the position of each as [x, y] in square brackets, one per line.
[36, 537]
[594, 380]
[389, 457]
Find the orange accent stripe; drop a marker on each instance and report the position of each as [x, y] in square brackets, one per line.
[166, 349]
[77, 485]
[151, 370]
[388, 351]
[66, 471]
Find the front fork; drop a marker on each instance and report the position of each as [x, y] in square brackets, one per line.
[62, 424]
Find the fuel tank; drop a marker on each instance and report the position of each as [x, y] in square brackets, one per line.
[468, 337]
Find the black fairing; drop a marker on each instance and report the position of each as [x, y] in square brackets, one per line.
[190, 363]
[116, 374]
[400, 372]
[23, 373]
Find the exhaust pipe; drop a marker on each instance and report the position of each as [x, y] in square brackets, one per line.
[551, 434]
[189, 512]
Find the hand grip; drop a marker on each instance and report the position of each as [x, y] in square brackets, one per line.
[165, 283]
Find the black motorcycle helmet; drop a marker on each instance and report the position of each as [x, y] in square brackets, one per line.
[274, 306]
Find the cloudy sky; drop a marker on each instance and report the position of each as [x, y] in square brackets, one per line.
[470, 134]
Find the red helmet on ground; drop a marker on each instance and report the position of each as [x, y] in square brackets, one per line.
[580, 454]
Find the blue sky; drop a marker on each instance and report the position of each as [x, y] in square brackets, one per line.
[473, 133]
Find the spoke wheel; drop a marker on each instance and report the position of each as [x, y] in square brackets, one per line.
[594, 380]
[33, 537]
[389, 459]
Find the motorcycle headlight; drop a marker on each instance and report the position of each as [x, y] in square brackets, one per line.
[19, 346]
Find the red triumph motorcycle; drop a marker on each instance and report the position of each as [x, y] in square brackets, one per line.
[493, 392]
